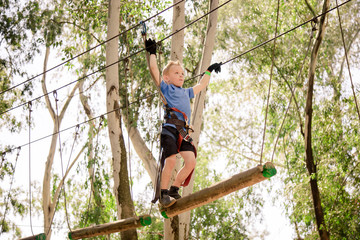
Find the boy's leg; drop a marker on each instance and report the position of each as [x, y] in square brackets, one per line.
[165, 199]
[189, 165]
[167, 170]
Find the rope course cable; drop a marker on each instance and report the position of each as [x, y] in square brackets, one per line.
[6, 201]
[128, 121]
[93, 172]
[120, 60]
[271, 74]
[150, 95]
[347, 61]
[313, 29]
[77, 127]
[90, 49]
[30, 110]
[158, 170]
[288, 31]
[57, 122]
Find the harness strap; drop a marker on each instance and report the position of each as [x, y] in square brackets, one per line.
[171, 118]
[179, 124]
[176, 122]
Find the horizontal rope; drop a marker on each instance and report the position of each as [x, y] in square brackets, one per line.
[117, 109]
[100, 44]
[123, 59]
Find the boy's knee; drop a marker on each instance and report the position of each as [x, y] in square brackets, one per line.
[170, 161]
[190, 163]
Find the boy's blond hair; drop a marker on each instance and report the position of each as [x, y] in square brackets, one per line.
[169, 65]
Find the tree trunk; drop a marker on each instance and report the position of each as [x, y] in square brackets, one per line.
[121, 182]
[48, 204]
[310, 162]
[91, 147]
[171, 226]
[198, 106]
[142, 151]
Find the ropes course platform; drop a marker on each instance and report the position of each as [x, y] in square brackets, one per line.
[40, 236]
[107, 228]
[220, 189]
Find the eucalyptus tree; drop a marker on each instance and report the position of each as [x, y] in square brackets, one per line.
[20, 42]
[334, 112]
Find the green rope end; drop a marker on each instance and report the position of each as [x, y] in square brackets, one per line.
[269, 170]
[41, 236]
[69, 235]
[163, 213]
[145, 221]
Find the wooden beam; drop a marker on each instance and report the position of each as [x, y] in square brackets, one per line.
[107, 228]
[220, 189]
[40, 236]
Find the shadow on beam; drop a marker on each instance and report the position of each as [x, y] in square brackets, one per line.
[220, 189]
[107, 228]
[40, 236]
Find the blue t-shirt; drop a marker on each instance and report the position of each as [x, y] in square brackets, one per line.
[179, 98]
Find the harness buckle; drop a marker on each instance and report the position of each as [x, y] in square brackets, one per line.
[188, 138]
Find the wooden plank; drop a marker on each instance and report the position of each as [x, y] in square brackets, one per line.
[40, 236]
[218, 190]
[107, 228]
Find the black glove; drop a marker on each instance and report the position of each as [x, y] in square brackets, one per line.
[215, 66]
[150, 46]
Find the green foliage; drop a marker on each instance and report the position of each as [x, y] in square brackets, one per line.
[240, 103]
[227, 217]
[234, 117]
[12, 203]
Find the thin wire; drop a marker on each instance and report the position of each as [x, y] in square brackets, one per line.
[298, 79]
[102, 43]
[129, 147]
[62, 167]
[30, 105]
[347, 61]
[123, 59]
[96, 149]
[158, 169]
[199, 95]
[67, 167]
[150, 95]
[73, 145]
[286, 32]
[269, 89]
[8, 196]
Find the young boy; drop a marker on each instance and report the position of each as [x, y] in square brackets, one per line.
[178, 98]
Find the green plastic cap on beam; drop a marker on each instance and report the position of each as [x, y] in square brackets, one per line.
[269, 170]
[41, 236]
[69, 235]
[145, 221]
[163, 213]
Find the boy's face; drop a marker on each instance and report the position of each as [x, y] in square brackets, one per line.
[175, 76]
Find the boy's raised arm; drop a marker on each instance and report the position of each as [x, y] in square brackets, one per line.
[204, 81]
[154, 70]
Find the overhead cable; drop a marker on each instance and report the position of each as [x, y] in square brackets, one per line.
[232, 59]
[120, 60]
[102, 43]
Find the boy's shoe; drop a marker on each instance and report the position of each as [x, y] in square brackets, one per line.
[165, 199]
[174, 192]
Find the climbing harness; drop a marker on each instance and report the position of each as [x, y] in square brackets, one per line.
[170, 117]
